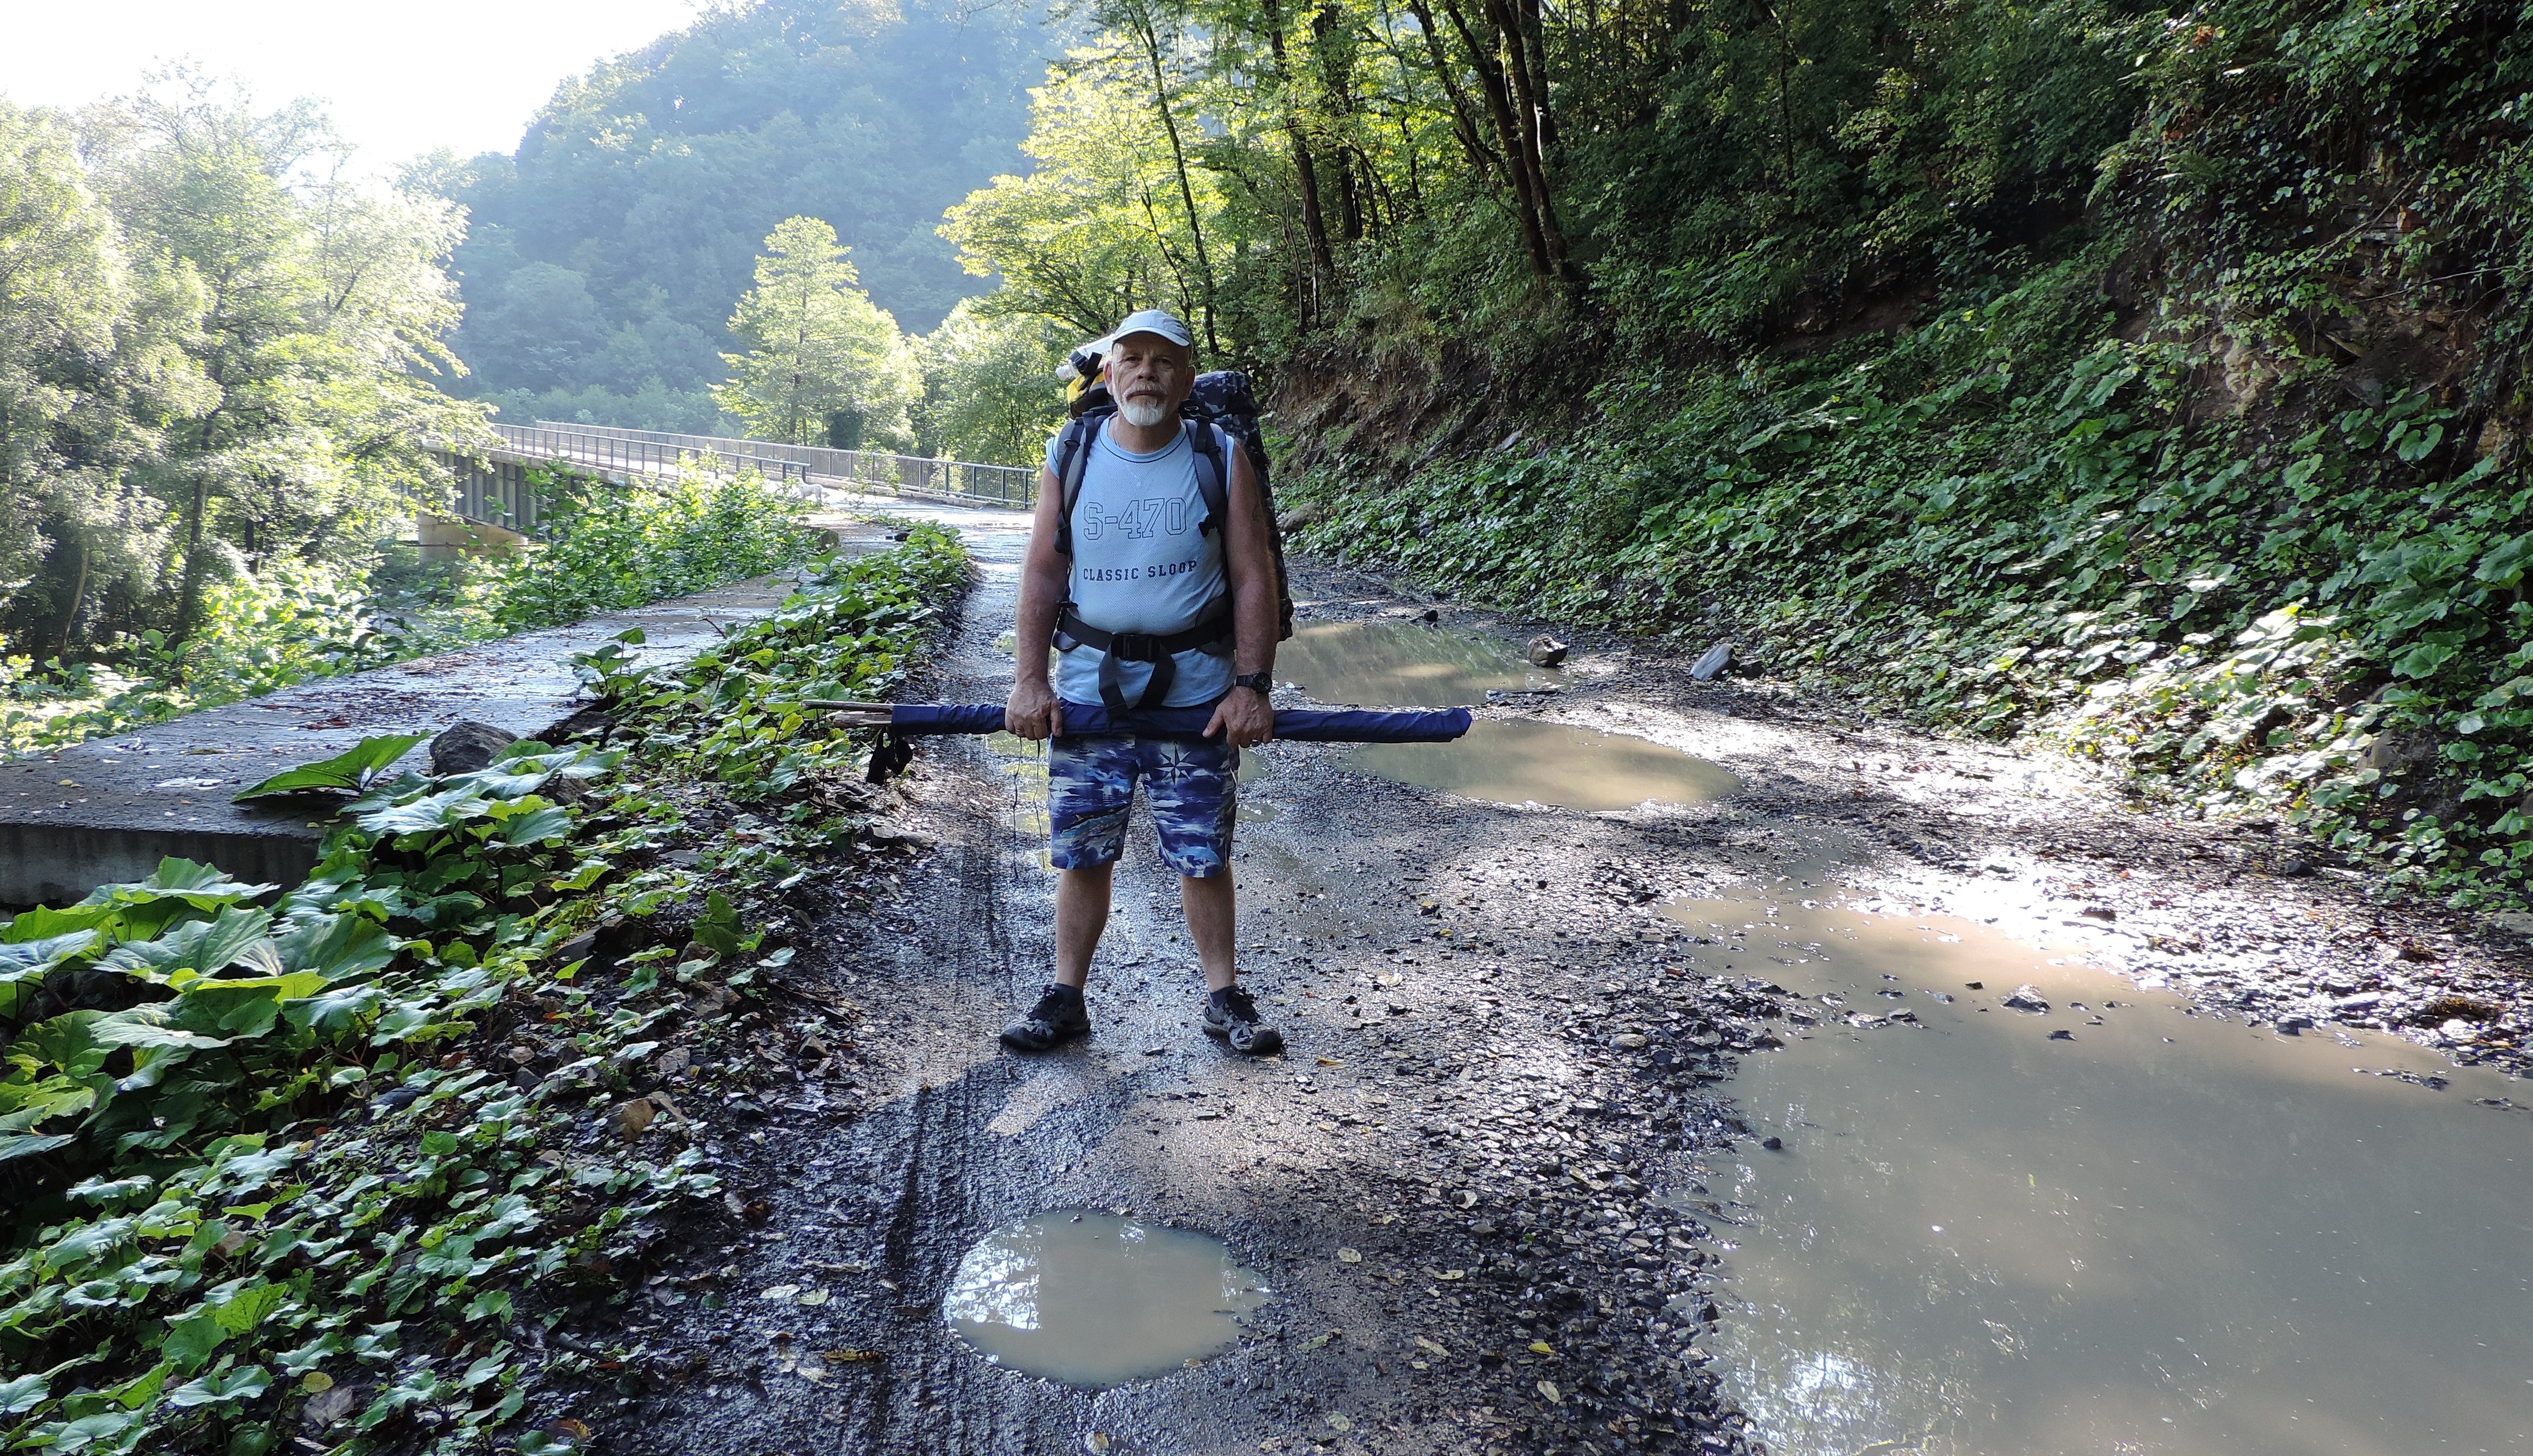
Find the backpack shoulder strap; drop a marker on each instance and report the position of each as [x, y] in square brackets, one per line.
[1212, 473]
[1072, 459]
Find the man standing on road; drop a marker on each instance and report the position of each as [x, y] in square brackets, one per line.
[1154, 604]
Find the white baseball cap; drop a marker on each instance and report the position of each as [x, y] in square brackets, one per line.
[1154, 321]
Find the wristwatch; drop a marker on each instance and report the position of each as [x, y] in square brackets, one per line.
[1261, 684]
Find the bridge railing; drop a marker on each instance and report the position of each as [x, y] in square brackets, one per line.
[658, 451]
[631, 453]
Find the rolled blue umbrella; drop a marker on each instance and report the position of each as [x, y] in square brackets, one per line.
[904, 720]
[1317, 724]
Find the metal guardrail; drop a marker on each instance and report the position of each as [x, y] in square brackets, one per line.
[623, 452]
[658, 452]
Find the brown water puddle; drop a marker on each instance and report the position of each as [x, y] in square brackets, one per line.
[1394, 663]
[1517, 761]
[1095, 1301]
[2167, 1232]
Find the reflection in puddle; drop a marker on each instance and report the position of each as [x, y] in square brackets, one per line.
[1095, 1301]
[1401, 665]
[2172, 1234]
[1512, 762]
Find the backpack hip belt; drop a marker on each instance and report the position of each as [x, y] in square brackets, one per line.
[1211, 634]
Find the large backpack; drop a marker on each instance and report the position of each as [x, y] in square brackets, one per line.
[1221, 405]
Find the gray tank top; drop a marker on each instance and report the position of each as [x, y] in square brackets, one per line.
[1142, 564]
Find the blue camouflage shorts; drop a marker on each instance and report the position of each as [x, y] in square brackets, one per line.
[1189, 783]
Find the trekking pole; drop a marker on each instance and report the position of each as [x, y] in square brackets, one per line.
[846, 713]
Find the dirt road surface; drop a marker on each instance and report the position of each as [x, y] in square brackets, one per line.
[1475, 1180]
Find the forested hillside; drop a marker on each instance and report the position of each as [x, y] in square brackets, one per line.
[2148, 378]
[603, 261]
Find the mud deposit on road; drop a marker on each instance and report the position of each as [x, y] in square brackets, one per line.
[1493, 1179]
[1092, 1300]
[2102, 1220]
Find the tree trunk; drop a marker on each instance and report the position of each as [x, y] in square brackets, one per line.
[1482, 157]
[1315, 226]
[1178, 158]
[1533, 32]
[1527, 104]
[1509, 133]
[189, 597]
[79, 589]
[1336, 84]
[1169, 255]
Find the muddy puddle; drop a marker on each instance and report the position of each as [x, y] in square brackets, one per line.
[1095, 1301]
[2159, 1232]
[1516, 761]
[1392, 663]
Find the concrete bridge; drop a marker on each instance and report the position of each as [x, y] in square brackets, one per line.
[495, 501]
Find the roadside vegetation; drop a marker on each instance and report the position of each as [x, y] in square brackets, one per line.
[605, 548]
[326, 1162]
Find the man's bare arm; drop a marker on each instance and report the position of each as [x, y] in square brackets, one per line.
[1033, 711]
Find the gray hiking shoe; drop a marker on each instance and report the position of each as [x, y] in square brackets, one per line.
[1230, 1015]
[1058, 1017]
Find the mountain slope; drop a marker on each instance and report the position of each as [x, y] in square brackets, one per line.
[604, 255]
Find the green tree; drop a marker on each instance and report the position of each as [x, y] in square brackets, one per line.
[654, 178]
[817, 346]
[989, 387]
[1106, 222]
[323, 306]
[63, 293]
[92, 368]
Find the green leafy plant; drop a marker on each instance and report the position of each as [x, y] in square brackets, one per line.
[609, 673]
[351, 770]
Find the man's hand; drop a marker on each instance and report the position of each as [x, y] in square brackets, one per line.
[1245, 718]
[1035, 711]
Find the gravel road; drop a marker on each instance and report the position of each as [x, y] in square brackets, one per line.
[1475, 1180]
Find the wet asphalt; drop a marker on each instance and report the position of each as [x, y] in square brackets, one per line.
[1477, 1181]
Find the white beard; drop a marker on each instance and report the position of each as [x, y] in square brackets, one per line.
[1143, 414]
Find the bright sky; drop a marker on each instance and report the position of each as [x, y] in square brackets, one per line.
[399, 78]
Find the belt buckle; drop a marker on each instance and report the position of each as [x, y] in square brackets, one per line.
[1133, 647]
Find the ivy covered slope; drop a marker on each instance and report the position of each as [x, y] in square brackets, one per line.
[2221, 480]
[310, 1167]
